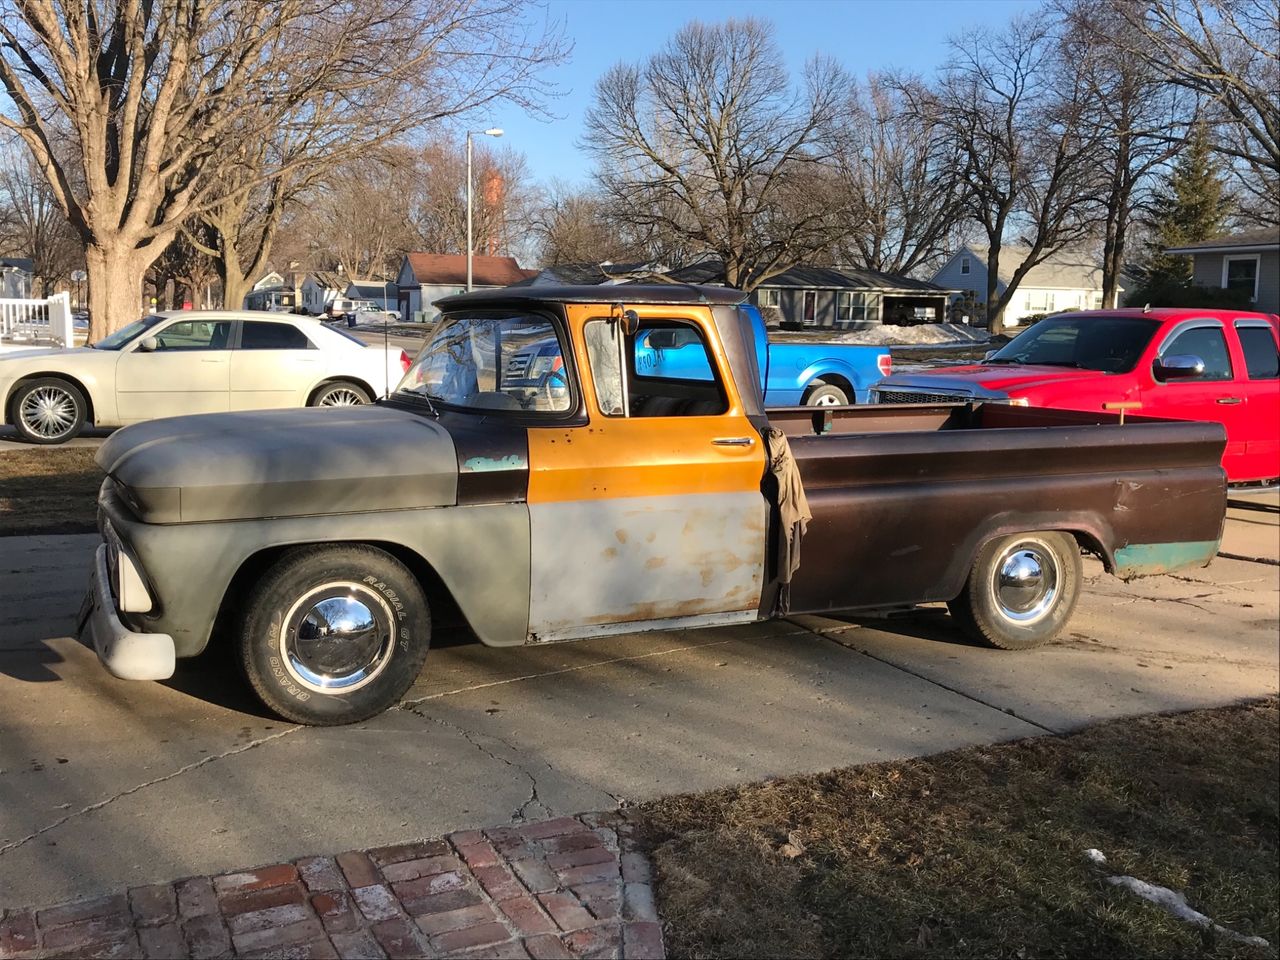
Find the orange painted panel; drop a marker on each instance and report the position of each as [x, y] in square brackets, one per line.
[644, 456]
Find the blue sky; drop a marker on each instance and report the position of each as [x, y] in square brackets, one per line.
[863, 35]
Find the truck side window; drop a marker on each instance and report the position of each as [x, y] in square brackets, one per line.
[606, 370]
[1207, 343]
[669, 371]
[1260, 356]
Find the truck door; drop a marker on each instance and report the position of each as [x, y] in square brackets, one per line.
[1213, 395]
[1260, 390]
[651, 514]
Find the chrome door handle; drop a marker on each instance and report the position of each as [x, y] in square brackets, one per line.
[1229, 400]
[733, 441]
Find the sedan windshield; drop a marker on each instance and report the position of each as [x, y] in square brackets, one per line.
[492, 360]
[122, 336]
[1106, 344]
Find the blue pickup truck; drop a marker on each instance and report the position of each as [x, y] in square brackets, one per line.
[792, 374]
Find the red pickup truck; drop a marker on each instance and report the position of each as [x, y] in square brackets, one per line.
[1172, 363]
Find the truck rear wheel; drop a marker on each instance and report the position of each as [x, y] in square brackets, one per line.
[1021, 590]
[334, 635]
[822, 394]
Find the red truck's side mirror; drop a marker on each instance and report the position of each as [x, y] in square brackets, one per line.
[1180, 366]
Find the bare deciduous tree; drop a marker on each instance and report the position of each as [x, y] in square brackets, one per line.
[162, 98]
[1139, 118]
[897, 182]
[1228, 52]
[31, 222]
[1015, 111]
[708, 142]
[571, 225]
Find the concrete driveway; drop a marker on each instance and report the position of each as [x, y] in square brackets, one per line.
[105, 783]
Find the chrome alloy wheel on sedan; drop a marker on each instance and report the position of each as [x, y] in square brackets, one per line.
[337, 637]
[48, 410]
[341, 397]
[1024, 581]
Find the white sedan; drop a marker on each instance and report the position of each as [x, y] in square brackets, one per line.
[192, 361]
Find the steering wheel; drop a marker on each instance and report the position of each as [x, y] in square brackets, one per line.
[553, 380]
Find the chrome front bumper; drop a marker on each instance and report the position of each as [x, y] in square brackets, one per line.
[125, 653]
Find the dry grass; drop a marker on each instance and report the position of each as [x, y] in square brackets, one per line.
[48, 491]
[980, 852]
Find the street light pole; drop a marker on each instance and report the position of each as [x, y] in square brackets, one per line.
[491, 132]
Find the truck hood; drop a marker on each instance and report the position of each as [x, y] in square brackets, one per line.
[281, 463]
[988, 380]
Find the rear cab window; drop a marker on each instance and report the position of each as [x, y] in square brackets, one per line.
[1261, 357]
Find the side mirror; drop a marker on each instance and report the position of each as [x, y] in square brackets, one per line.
[148, 344]
[628, 321]
[1180, 366]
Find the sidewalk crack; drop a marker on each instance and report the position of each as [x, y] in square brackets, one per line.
[23, 841]
[1008, 711]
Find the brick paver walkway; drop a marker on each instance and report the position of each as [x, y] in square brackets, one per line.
[571, 888]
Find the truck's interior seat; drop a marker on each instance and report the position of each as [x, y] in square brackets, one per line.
[678, 407]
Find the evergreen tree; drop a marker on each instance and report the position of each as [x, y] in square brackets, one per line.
[1192, 207]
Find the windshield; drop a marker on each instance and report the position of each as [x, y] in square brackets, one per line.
[492, 360]
[122, 336]
[1106, 344]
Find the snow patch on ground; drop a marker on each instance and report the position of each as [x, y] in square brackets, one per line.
[1172, 902]
[925, 333]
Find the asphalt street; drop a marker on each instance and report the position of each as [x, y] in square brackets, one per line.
[106, 783]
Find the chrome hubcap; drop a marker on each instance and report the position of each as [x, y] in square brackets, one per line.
[1024, 581]
[341, 397]
[337, 637]
[49, 412]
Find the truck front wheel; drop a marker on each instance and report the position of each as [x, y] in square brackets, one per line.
[1021, 590]
[334, 635]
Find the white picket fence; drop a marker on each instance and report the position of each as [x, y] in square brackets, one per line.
[29, 322]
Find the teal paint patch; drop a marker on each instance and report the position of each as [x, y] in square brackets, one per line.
[483, 464]
[1147, 559]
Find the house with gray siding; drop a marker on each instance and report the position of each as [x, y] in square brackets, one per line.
[1067, 280]
[1248, 261]
[847, 298]
[426, 277]
[15, 277]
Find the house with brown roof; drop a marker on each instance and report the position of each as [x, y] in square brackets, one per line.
[426, 277]
[1248, 261]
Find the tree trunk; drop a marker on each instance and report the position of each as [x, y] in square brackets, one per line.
[994, 322]
[116, 273]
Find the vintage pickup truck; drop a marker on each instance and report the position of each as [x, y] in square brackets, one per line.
[320, 542]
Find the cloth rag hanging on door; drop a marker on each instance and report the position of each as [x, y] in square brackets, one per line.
[793, 513]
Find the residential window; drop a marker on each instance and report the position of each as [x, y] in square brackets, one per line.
[964, 266]
[1039, 301]
[769, 297]
[1241, 273]
[854, 307]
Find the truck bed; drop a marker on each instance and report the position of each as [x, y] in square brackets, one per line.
[903, 495]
